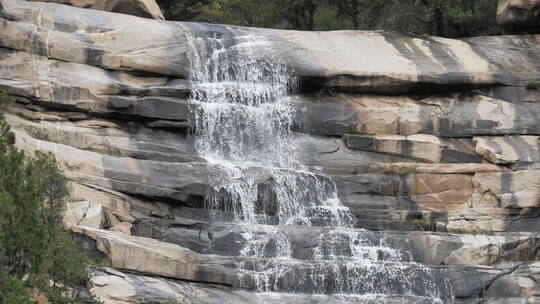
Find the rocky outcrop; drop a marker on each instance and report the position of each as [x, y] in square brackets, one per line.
[431, 142]
[168, 260]
[485, 278]
[117, 287]
[120, 287]
[520, 152]
[519, 15]
[140, 8]
[410, 64]
[426, 148]
[478, 285]
[454, 115]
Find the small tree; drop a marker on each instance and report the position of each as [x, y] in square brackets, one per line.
[363, 14]
[458, 18]
[36, 253]
[13, 291]
[238, 12]
[23, 234]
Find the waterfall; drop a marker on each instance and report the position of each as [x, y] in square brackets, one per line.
[244, 118]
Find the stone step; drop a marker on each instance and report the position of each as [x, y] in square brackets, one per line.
[369, 219]
[122, 287]
[264, 274]
[433, 248]
[344, 277]
[130, 253]
[398, 225]
[116, 287]
[422, 147]
[300, 242]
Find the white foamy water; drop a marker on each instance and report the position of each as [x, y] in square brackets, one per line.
[244, 119]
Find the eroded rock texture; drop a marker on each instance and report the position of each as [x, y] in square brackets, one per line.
[432, 143]
[141, 8]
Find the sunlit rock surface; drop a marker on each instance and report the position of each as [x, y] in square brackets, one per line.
[140, 8]
[432, 143]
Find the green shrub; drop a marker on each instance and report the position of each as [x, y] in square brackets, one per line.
[458, 18]
[533, 86]
[13, 291]
[36, 253]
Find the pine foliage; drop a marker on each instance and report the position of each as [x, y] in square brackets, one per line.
[37, 255]
[457, 18]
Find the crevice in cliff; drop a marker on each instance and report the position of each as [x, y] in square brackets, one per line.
[382, 85]
[175, 279]
[484, 291]
[192, 201]
[338, 147]
[183, 125]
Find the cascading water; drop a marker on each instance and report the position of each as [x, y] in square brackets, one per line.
[244, 120]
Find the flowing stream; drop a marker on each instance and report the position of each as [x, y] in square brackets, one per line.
[246, 113]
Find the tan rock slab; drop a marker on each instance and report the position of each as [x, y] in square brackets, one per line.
[522, 152]
[422, 147]
[486, 220]
[519, 189]
[131, 176]
[154, 257]
[475, 249]
[357, 61]
[440, 192]
[408, 168]
[140, 8]
[454, 116]
[84, 213]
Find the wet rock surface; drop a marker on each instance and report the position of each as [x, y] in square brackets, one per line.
[444, 175]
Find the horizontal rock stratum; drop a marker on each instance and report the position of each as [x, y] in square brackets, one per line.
[348, 61]
[431, 142]
[140, 8]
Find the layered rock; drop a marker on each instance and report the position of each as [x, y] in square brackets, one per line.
[426, 148]
[109, 96]
[118, 287]
[454, 115]
[520, 152]
[168, 260]
[410, 64]
[141, 8]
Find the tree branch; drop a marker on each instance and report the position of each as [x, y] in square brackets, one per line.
[419, 19]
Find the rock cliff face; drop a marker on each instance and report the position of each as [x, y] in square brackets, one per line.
[432, 143]
[141, 8]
